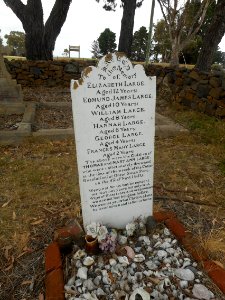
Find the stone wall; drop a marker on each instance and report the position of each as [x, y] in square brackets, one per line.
[204, 92]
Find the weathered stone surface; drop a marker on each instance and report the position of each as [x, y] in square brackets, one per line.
[194, 75]
[215, 92]
[71, 68]
[215, 82]
[202, 90]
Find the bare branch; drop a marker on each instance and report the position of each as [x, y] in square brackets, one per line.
[17, 7]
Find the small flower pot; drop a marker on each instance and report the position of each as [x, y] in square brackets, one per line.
[91, 245]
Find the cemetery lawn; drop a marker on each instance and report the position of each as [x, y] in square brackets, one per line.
[39, 191]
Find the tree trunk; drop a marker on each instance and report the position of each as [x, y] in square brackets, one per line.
[39, 38]
[174, 59]
[127, 26]
[212, 38]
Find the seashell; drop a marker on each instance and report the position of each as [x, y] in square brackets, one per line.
[141, 293]
[139, 258]
[123, 260]
[88, 261]
[166, 231]
[82, 273]
[79, 254]
[130, 252]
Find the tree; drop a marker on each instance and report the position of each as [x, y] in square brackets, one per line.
[65, 52]
[39, 37]
[139, 44]
[127, 22]
[106, 41]
[183, 23]
[0, 40]
[95, 50]
[212, 38]
[162, 44]
[16, 41]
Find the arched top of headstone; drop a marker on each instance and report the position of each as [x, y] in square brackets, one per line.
[114, 122]
[112, 66]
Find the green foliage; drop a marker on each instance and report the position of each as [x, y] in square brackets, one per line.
[106, 41]
[95, 50]
[139, 44]
[162, 41]
[16, 41]
[219, 58]
[209, 130]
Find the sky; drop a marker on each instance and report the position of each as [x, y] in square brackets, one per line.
[85, 21]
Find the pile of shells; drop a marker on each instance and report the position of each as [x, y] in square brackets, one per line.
[143, 267]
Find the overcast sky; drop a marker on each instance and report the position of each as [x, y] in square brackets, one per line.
[85, 21]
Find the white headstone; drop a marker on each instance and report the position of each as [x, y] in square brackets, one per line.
[114, 120]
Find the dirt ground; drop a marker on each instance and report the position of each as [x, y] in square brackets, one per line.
[39, 191]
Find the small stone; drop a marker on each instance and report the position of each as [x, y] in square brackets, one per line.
[78, 282]
[201, 292]
[112, 262]
[165, 245]
[162, 254]
[100, 292]
[122, 240]
[89, 285]
[139, 258]
[184, 274]
[82, 273]
[183, 284]
[97, 280]
[151, 265]
[78, 264]
[123, 260]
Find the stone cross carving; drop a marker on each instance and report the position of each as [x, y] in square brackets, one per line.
[10, 91]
